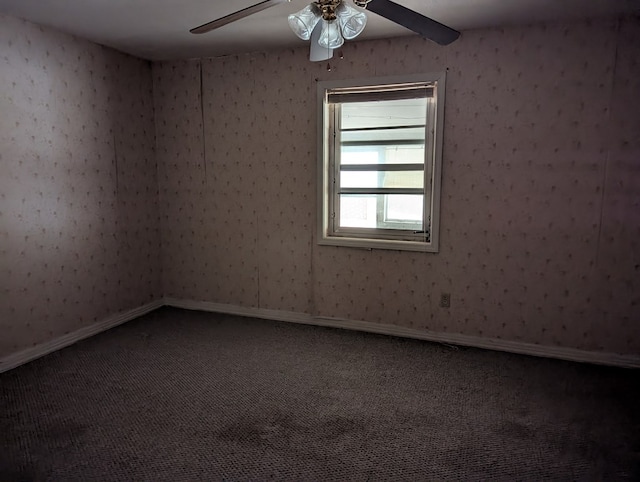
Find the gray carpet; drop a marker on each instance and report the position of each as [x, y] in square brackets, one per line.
[179, 395]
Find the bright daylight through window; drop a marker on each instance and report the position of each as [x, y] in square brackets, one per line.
[381, 149]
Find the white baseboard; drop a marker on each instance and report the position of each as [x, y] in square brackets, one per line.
[571, 354]
[292, 316]
[29, 354]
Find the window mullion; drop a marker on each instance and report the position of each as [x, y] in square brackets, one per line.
[428, 171]
[381, 190]
[382, 167]
[337, 159]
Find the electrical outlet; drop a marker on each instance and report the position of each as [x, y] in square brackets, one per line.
[445, 300]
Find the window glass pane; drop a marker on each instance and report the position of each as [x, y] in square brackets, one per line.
[403, 155]
[360, 155]
[382, 211]
[389, 179]
[384, 113]
[403, 208]
[358, 211]
[397, 154]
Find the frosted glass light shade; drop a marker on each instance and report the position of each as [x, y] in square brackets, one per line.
[352, 21]
[330, 36]
[317, 53]
[303, 22]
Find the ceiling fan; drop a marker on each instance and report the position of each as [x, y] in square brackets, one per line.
[327, 23]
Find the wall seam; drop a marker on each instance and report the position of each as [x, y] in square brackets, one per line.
[608, 141]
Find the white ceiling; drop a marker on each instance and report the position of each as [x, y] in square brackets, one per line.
[159, 29]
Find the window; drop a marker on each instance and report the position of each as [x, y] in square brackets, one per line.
[381, 149]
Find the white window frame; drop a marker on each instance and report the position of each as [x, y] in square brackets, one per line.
[329, 168]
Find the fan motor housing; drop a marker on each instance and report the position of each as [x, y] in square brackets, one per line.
[328, 8]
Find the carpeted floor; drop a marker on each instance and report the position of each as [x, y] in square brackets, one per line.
[179, 395]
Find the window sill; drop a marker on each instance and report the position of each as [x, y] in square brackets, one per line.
[364, 243]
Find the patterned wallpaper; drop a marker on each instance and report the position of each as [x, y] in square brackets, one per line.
[79, 223]
[237, 222]
[540, 229]
[540, 225]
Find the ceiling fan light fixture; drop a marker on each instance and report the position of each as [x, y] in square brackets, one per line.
[340, 22]
[303, 22]
[330, 36]
[352, 21]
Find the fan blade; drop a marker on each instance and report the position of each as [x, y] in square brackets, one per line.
[232, 17]
[317, 53]
[426, 27]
